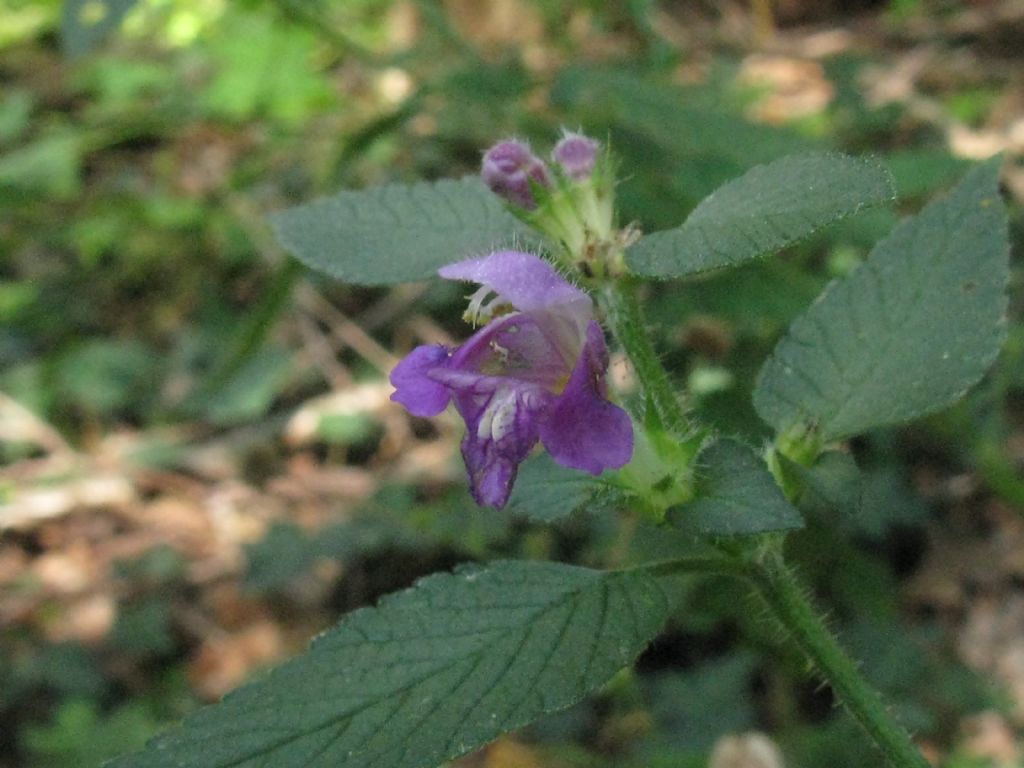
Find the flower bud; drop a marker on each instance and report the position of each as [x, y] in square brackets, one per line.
[507, 169]
[576, 155]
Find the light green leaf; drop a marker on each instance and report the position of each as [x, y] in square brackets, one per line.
[768, 208]
[736, 495]
[546, 492]
[279, 77]
[84, 23]
[906, 333]
[430, 674]
[397, 233]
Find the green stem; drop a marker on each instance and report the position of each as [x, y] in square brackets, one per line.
[788, 600]
[768, 571]
[624, 314]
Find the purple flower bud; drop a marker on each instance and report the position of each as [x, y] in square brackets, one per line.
[506, 169]
[576, 154]
[534, 373]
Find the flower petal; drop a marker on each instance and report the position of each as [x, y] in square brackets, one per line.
[582, 429]
[420, 394]
[526, 281]
[516, 346]
[501, 429]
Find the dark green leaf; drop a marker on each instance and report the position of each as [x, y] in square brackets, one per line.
[833, 482]
[768, 208]
[396, 233]
[919, 172]
[693, 708]
[694, 125]
[736, 495]
[545, 492]
[757, 298]
[887, 501]
[432, 673]
[905, 334]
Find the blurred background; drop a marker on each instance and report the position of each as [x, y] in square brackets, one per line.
[199, 465]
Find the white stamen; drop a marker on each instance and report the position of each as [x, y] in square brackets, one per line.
[499, 418]
[478, 312]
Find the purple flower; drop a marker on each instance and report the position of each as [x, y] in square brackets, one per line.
[535, 371]
[507, 169]
[576, 155]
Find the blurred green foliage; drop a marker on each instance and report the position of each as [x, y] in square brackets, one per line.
[138, 289]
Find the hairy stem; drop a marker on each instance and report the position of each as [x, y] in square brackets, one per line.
[788, 600]
[772, 578]
[624, 315]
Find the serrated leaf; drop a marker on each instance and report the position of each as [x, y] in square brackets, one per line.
[736, 495]
[84, 23]
[397, 233]
[768, 208]
[906, 333]
[430, 674]
[545, 491]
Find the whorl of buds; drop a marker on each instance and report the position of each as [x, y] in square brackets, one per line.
[571, 201]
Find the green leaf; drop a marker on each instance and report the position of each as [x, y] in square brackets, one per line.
[430, 674]
[396, 233]
[768, 208]
[692, 130]
[736, 495]
[278, 77]
[833, 482]
[545, 491]
[906, 333]
[888, 501]
[84, 23]
[693, 708]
